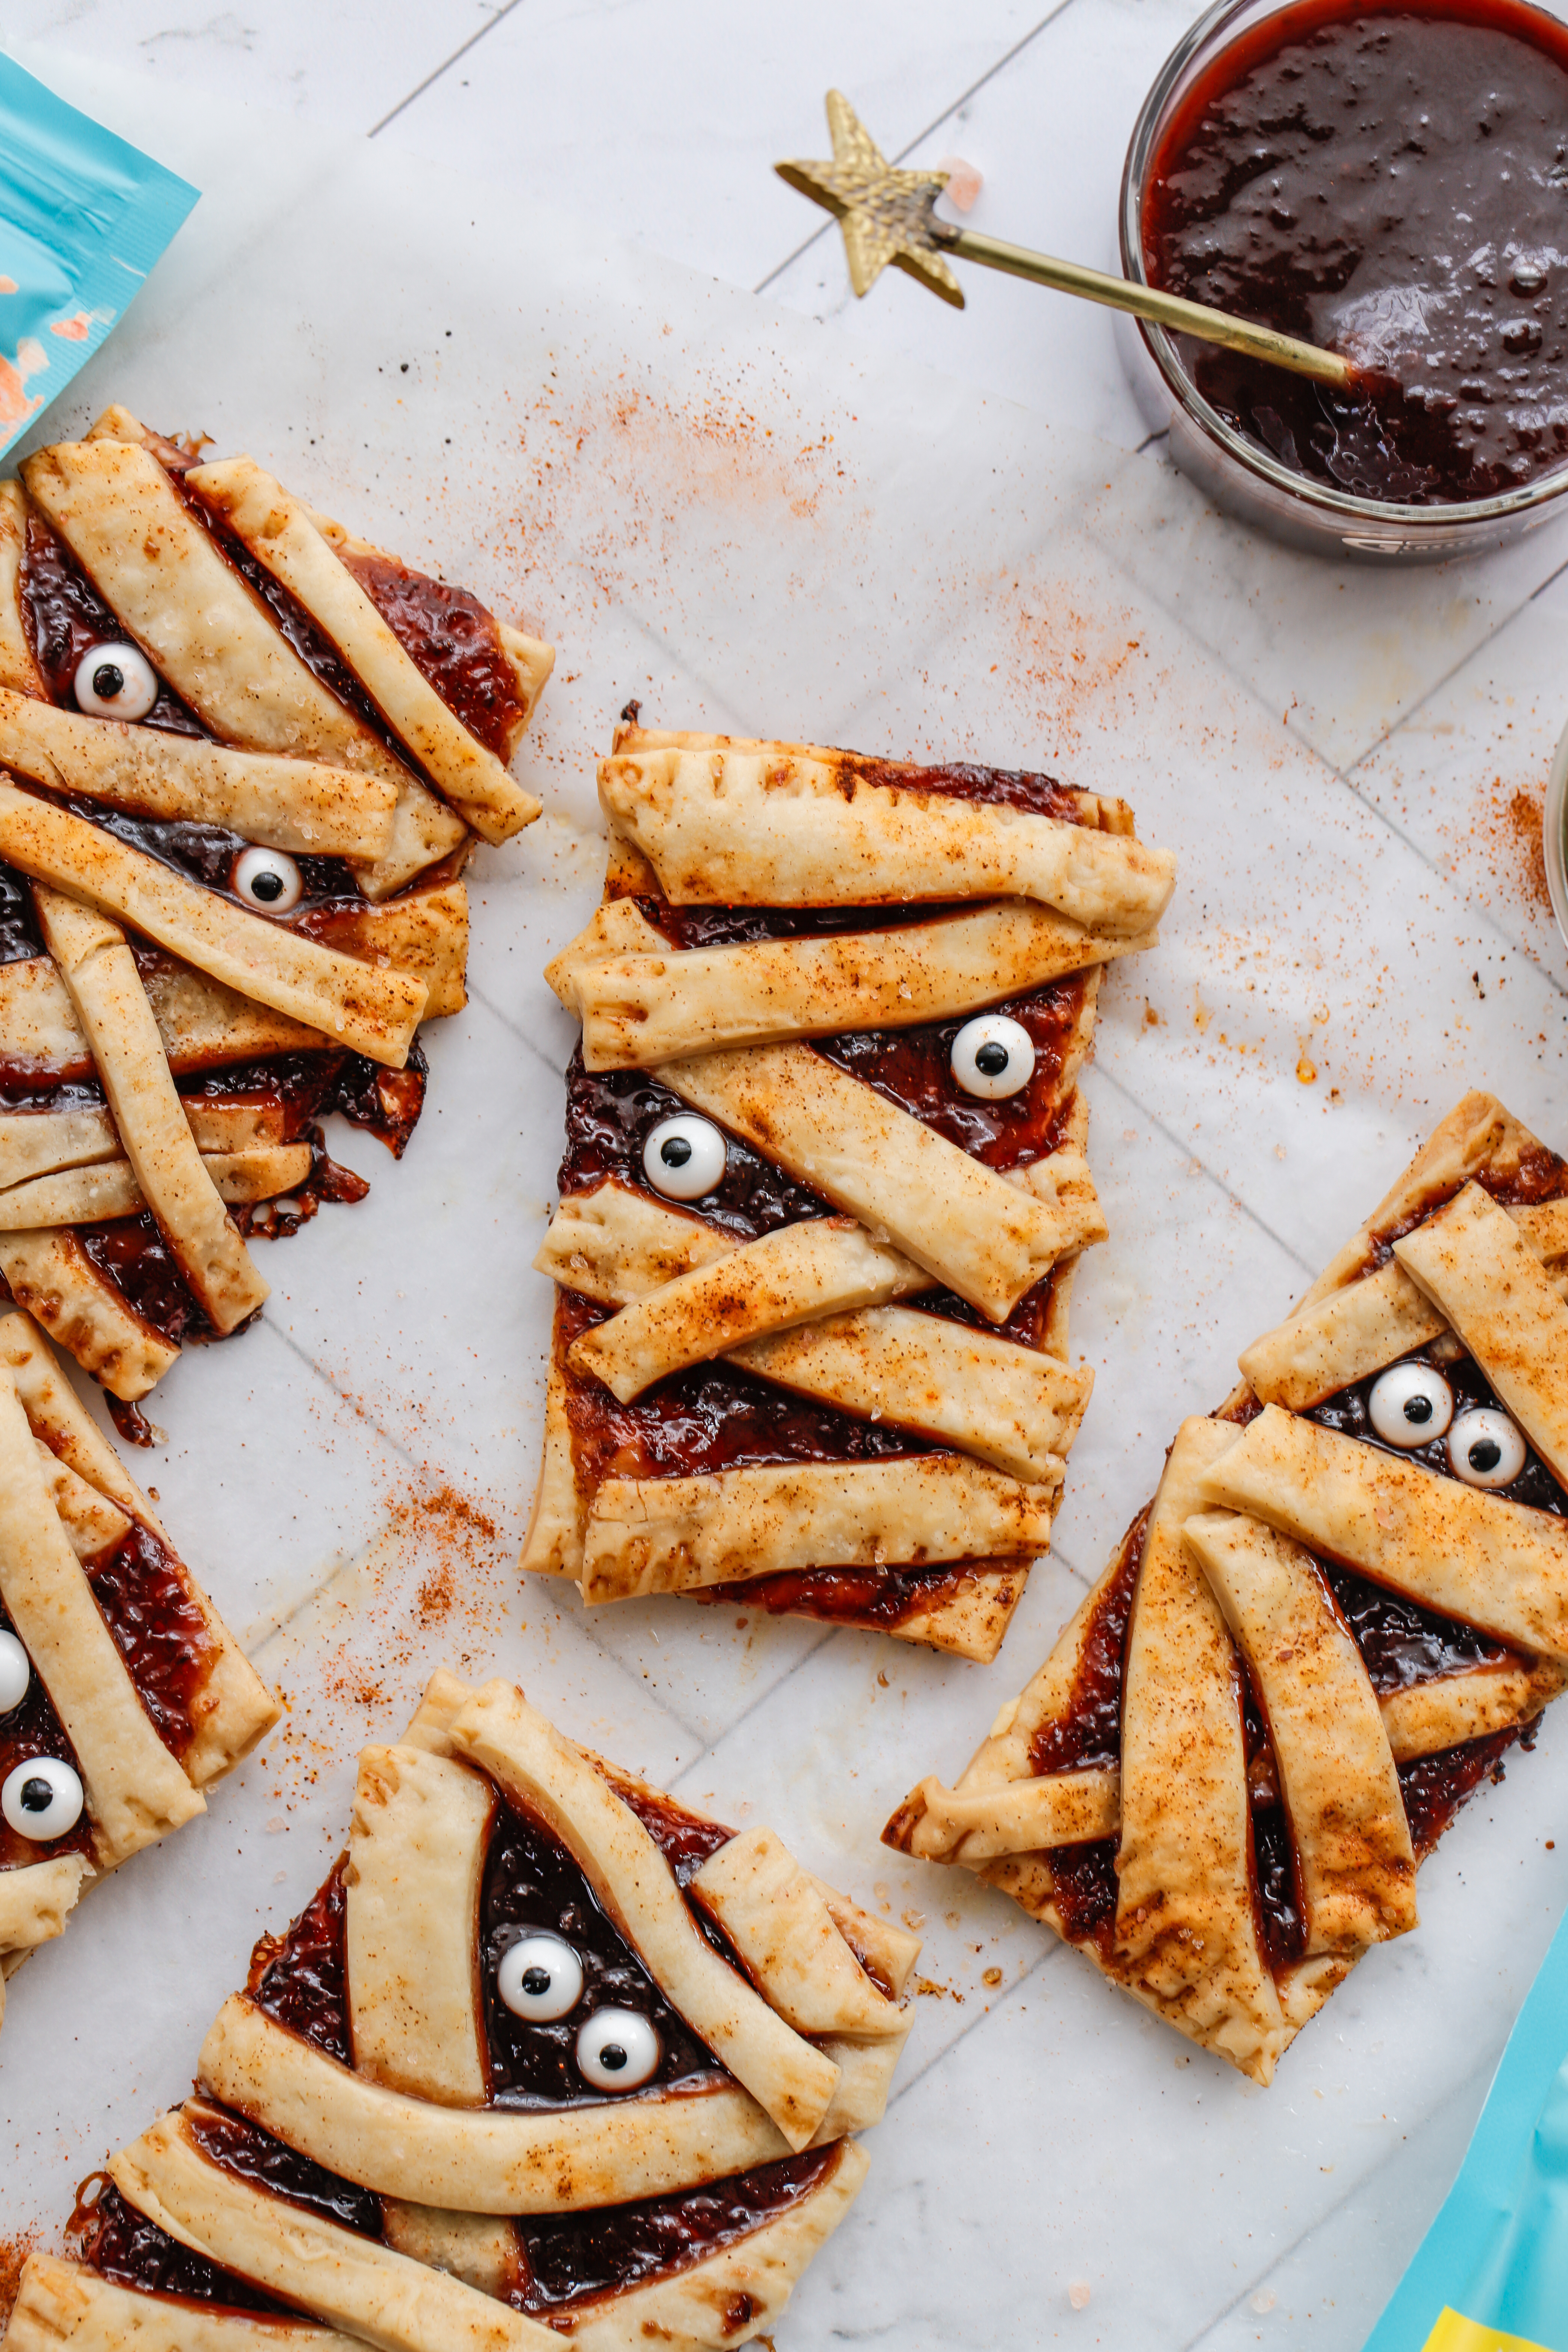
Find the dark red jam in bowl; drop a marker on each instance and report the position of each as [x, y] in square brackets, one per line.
[1391, 182]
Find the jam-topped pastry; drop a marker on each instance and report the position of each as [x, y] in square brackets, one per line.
[122, 1694]
[244, 756]
[548, 2056]
[1347, 1599]
[1387, 180]
[825, 1183]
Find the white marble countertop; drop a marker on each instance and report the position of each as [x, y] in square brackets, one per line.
[1347, 765]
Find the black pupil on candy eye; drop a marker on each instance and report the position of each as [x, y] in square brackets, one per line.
[675, 1151]
[38, 1796]
[991, 1060]
[535, 1982]
[1485, 1453]
[613, 2057]
[108, 680]
[1418, 1409]
[267, 885]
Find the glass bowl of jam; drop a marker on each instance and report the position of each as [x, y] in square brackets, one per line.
[1389, 181]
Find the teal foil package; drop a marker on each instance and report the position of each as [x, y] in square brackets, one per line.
[83, 217]
[1491, 2274]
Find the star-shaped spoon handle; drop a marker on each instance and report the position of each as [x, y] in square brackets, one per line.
[888, 217]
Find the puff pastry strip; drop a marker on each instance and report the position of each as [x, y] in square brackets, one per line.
[198, 622]
[49, 1274]
[653, 1002]
[299, 805]
[1335, 1765]
[374, 1011]
[779, 829]
[280, 534]
[530, 1762]
[60, 2303]
[111, 1189]
[987, 1239]
[1460, 1551]
[169, 1174]
[19, 671]
[675, 1534]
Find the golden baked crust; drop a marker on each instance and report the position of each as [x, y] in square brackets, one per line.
[1392, 1605]
[884, 1309]
[261, 858]
[792, 2044]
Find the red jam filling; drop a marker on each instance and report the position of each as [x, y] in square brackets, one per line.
[28, 1731]
[686, 1840]
[569, 2258]
[121, 2245]
[300, 1976]
[241, 2147]
[64, 617]
[454, 641]
[1388, 181]
[530, 1885]
[159, 1630]
[877, 1598]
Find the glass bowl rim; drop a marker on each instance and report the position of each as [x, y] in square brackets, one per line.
[1301, 490]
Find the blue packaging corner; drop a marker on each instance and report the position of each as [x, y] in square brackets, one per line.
[83, 217]
[1492, 2274]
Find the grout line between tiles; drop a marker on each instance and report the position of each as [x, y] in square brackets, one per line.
[445, 65]
[1053, 1951]
[1019, 45]
[477, 996]
[1105, 1077]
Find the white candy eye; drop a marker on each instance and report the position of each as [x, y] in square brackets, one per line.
[1485, 1449]
[541, 1979]
[266, 879]
[684, 1157]
[1410, 1404]
[618, 2050]
[992, 1056]
[115, 682]
[42, 1798]
[16, 1672]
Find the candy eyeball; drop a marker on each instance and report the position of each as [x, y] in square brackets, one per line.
[539, 1978]
[42, 1798]
[618, 2050]
[1410, 1404]
[1485, 1449]
[16, 1672]
[684, 1157]
[266, 879]
[992, 1056]
[115, 682]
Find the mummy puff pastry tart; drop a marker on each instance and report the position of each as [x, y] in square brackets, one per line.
[242, 758]
[1347, 1599]
[826, 1180]
[548, 2057]
[123, 1695]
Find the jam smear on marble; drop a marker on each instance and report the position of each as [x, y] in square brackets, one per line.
[300, 1976]
[238, 2146]
[31, 1730]
[532, 1883]
[709, 1418]
[452, 639]
[121, 2245]
[168, 1648]
[571, 2257]
[64, 617]
[1387, 180]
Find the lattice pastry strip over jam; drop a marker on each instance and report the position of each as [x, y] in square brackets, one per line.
[122, 1695]
[242, 758]
[826, 1180]
[1347, 1598]
[549, 2055]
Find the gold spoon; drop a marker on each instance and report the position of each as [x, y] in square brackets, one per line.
[887, 215]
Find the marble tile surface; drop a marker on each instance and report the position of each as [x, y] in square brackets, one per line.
[778, 514]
